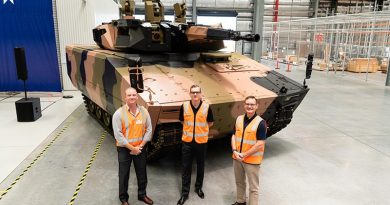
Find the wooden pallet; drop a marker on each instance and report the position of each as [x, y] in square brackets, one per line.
[362, 65]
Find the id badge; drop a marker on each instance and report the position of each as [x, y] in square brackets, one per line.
[138, 122]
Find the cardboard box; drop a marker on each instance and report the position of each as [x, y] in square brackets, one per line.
[292, 58]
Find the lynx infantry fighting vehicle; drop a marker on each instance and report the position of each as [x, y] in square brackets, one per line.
[162, 60]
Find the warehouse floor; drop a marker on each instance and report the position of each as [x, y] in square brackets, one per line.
[335, 151]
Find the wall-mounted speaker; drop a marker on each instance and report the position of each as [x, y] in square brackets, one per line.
[20, 60]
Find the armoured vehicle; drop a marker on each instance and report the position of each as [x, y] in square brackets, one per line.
[162, 59]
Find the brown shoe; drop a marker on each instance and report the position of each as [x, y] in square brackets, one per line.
[236, 203]
[146, 200]
[125, 203]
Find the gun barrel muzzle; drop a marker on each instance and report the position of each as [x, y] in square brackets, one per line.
[251, 37]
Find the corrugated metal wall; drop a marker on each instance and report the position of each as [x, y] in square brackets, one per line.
[75, 21]
[55, 20]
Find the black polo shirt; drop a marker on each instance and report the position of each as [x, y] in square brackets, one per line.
[210, 117]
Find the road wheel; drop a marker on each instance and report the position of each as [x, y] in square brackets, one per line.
[107, 120]
[98, 112]
[91, 106]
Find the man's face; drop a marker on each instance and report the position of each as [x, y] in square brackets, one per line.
[131, 96]
[195, 94]
[250, 106]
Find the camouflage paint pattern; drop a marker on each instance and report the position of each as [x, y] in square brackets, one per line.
[109, 38]
[103, 76]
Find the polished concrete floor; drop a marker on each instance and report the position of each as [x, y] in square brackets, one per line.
[335, 151]
[19, 139]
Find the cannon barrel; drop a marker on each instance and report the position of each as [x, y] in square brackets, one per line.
[227, 34]
[250, 37]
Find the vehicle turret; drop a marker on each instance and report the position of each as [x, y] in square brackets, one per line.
[154, 34]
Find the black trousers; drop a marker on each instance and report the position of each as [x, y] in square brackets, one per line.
[125, 159]
[189, 150]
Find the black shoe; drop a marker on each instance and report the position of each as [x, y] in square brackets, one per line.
[236, 203]
[200, 193]
[182, 200]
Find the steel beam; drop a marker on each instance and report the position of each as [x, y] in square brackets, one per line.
[194, 14]
[258, 20]
[316, 4]
[388, 73]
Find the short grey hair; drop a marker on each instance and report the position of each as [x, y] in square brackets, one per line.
[130, 88]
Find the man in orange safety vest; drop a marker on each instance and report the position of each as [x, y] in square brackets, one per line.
[132, 129]
[196, 117]
[248, 143]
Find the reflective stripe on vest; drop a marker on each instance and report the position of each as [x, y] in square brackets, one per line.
[135, 129]
[200, 124]
[248, 139]
[196, 135]
[198, 128]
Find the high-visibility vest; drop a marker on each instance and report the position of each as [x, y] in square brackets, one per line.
[195, 125]
[248, 139]
[133, 127]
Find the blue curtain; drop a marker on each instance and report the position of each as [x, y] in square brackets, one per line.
[28, 24]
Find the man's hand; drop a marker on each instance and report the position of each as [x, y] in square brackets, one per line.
[136, 150]
[238, 156]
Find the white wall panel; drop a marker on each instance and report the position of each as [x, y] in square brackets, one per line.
[75, 22]
[105, 11]
[224, 3]
[243, 3]
[244, 25]
[76, 19]
[206, 3]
